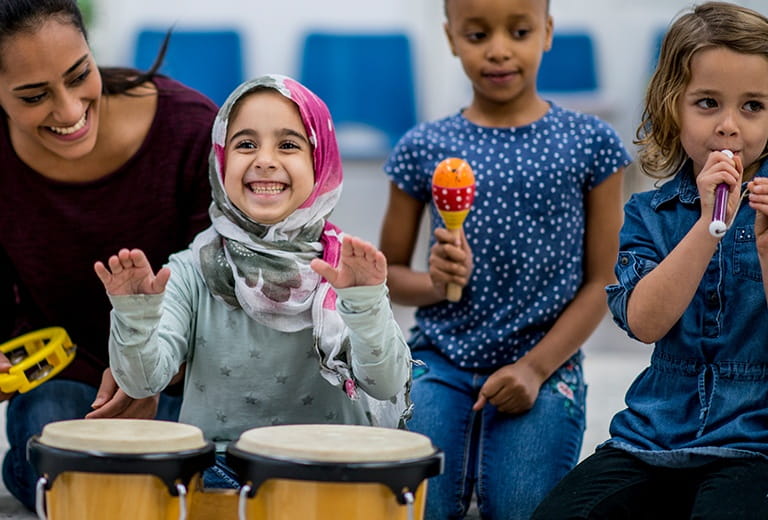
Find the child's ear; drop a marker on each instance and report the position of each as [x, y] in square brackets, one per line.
[549, 28]
[447, 30]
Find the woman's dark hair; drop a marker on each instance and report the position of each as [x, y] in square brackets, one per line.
[28, 15]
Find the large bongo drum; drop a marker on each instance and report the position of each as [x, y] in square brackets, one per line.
[117, 468]
[327, 472]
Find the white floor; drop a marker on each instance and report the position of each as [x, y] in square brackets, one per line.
[612, 360]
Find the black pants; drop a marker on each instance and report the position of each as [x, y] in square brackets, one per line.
[611, 484]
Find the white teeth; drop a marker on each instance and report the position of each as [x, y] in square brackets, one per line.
[266, 189]
[66, 130]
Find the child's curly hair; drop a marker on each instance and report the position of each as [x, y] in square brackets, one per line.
[711, 24]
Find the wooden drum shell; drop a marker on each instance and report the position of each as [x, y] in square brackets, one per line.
[130, 474]
[312, 482]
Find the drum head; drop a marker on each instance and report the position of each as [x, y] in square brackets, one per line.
[397, 459]
[335, 443]
[122, 436]
[172, 451]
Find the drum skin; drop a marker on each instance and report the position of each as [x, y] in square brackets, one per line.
[327, 472]
[118, 469]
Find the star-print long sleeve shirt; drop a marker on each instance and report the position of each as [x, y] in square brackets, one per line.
[241, 374]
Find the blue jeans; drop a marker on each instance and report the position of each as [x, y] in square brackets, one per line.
[510, 461]
[220, 476]
[55, 400]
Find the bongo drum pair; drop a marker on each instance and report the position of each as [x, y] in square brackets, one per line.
[126, 469]
[117, 469]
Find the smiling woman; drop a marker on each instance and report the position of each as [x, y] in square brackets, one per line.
[93, 158]
[53, 105]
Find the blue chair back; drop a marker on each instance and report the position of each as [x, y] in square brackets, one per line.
[210, 61]
[657, 39]
[367, 82]
[570, 66]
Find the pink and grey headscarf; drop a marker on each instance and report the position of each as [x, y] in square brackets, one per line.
[264, 269]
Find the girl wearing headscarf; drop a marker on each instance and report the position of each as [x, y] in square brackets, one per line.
[277, 317]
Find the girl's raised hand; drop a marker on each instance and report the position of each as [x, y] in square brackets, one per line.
[758, 200]
[129, 272]
[361, 264]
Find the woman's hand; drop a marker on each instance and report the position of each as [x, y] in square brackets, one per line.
[112, 402]
[5, 366]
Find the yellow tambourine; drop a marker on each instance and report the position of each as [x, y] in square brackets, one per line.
[36, 357]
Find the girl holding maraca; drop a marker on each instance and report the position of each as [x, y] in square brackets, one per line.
[502, 392]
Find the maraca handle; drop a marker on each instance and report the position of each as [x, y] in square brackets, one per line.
[453, 290]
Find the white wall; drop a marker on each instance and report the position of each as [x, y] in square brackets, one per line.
[623, 28]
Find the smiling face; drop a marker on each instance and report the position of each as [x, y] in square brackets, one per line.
[724, 106]
[269, 168]
[50, 90]
[500, 45]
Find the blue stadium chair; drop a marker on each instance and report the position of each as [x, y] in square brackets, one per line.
[570, 66]
[210, 61]
[569, 74]
[657, 39]
[366, 79]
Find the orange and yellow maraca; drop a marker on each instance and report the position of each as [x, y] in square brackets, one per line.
[453, 192]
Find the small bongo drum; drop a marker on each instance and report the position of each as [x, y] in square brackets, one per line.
[331, 471]
[117, 468]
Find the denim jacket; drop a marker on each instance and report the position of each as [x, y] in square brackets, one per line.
[705, 393]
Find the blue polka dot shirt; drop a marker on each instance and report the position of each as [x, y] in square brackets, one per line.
[525, 228]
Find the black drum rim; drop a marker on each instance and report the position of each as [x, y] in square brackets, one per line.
[171, 467]
[398, 475]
